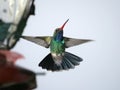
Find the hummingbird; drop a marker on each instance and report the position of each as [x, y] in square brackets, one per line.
[58, 59]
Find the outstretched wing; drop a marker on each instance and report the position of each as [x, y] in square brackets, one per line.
[43, 41]
[69, 42]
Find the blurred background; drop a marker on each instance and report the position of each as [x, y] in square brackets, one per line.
[98, 20]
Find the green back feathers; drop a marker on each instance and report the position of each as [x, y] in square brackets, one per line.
[57, 47]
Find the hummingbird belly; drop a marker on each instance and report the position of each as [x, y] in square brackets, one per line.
[57, 58]
[57, 51]
[57, 47]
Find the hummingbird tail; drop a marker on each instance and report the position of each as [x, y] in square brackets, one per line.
[47, 63]
[69, 61]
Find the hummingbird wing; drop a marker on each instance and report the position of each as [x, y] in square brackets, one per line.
[69, 42]
[43, 41]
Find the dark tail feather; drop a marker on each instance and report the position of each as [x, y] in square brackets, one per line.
[69, 61]
[73, 58]
[48, 63]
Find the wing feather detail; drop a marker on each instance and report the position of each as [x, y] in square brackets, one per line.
[43, 41]
[69, 42]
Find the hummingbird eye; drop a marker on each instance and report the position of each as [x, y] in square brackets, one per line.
[56, 30]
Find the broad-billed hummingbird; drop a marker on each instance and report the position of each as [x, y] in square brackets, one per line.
[58, 59]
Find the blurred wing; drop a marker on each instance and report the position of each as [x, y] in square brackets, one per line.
[43, 41]
[13, 18]
[69, 42]
[7, 8]
[11, 11]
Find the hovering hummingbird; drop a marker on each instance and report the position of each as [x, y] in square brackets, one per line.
[58, 59]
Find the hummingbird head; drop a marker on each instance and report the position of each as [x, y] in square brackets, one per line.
[58, 34]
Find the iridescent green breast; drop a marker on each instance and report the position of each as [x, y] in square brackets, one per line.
[57, 47]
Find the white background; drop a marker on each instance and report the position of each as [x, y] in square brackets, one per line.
[89, 19]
